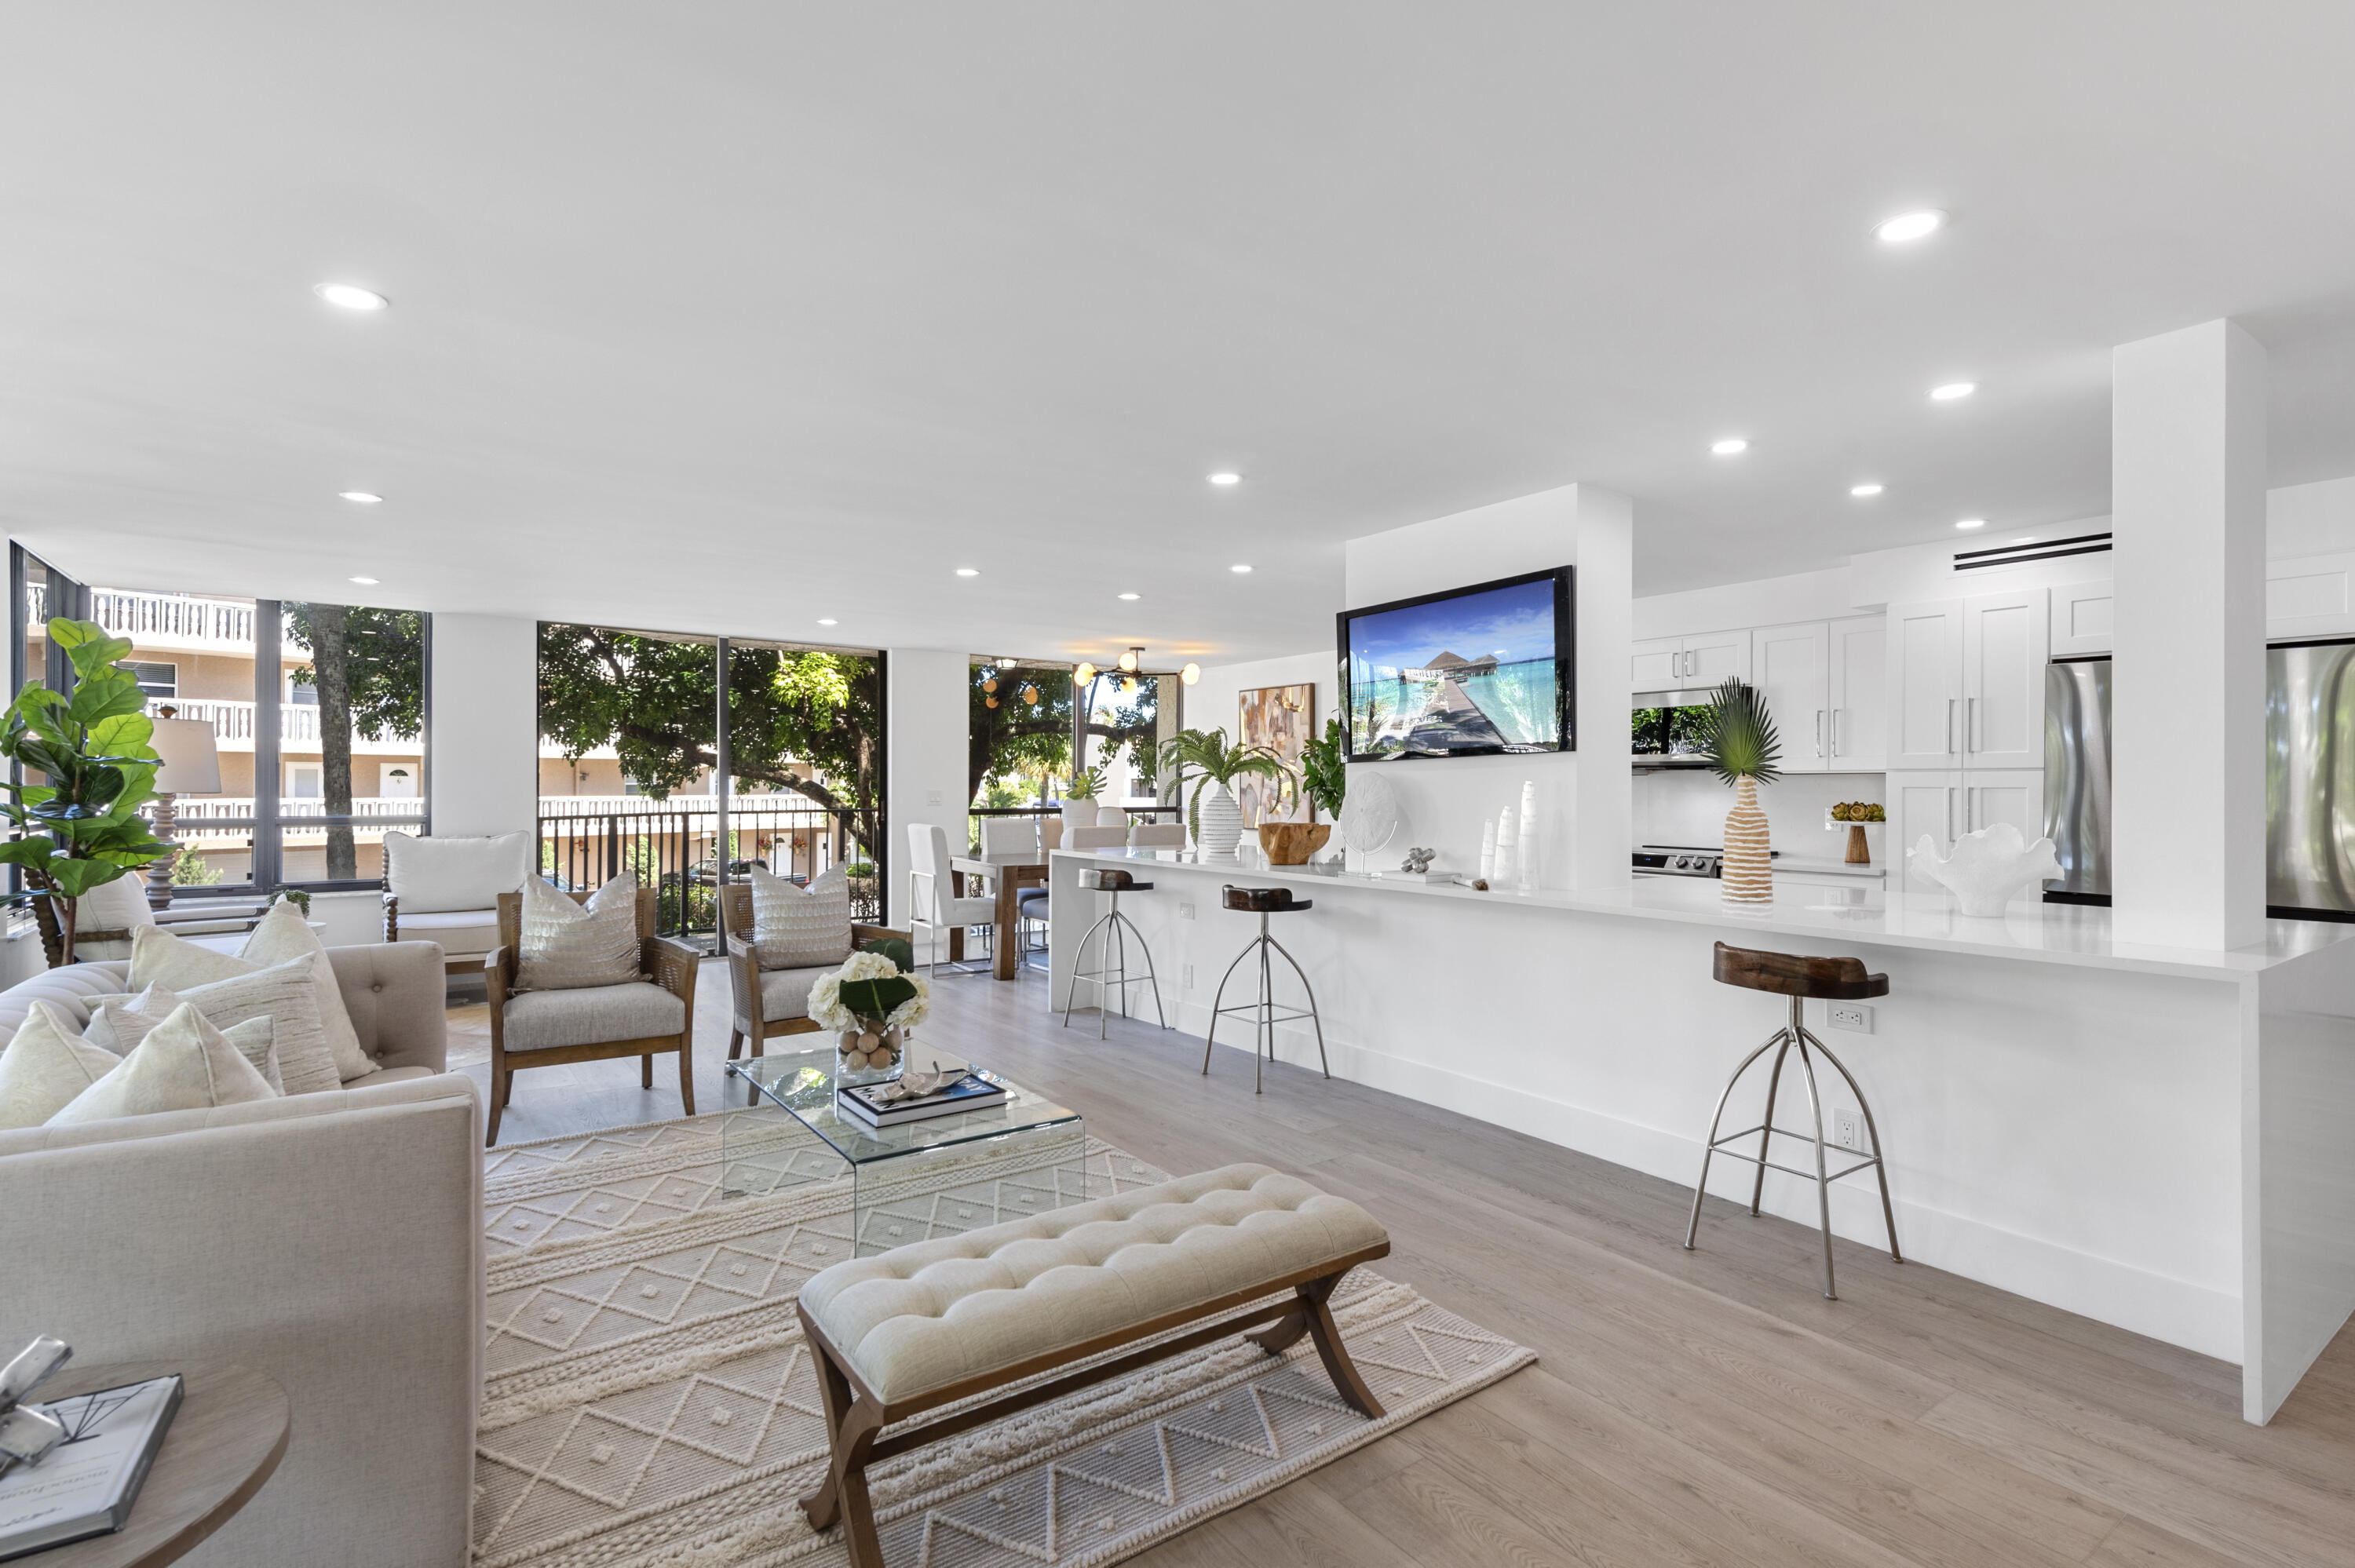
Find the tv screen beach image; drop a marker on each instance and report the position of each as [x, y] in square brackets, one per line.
[1473, 672]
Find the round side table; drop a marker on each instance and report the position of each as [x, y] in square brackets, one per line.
[227, 1439]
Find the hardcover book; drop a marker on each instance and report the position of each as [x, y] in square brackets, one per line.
[865, 1102]
[86, 1485]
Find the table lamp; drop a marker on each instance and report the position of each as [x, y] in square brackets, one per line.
[189, 765]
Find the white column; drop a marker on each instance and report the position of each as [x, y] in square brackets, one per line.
[1604, 614]
[482, 757]
[925, 722]
[2188, 503]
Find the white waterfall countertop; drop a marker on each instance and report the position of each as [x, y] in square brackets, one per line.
[2029, 931]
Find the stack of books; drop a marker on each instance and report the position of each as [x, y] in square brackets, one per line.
[867, 1103]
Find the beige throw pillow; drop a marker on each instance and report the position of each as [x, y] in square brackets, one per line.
[566, 946]
[285, 994]
[183, 1065]
[793, 929]
[119, 1023]
[47, 1066]
[159, 957]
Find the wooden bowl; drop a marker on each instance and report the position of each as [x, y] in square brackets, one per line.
[1291, 843]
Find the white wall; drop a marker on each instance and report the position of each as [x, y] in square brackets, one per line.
[926, 722]
[1445, 802]
[1212, 703]
[1686, 806]
[485, 749]
[1768, 601]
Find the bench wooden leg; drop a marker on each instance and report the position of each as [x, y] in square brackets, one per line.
[1284, 1333]
[852, 1426]
[1332, 1352]
[646, 1071]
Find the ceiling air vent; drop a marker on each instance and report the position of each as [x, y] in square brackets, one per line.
[2040, 550]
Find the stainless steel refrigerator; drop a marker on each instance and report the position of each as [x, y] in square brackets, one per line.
[2310, 779]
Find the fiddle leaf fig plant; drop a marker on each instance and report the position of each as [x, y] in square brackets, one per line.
[1207, 756]
[81, 827]
[1739, 736]
[1325, 771]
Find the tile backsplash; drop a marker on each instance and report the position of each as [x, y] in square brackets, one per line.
[1688, 806]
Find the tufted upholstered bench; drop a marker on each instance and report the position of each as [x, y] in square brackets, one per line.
[939, 1321]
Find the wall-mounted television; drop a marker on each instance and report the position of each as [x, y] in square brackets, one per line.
[1483, 671]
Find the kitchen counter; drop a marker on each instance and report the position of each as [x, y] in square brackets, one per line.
[2150, 1135]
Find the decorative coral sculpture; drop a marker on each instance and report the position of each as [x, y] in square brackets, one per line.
[1987, 867]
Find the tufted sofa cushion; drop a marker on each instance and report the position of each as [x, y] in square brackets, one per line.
[919, 1317]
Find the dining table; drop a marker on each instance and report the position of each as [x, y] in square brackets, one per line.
[1008, 874]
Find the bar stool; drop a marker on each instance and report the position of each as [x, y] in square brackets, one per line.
[1787, 974]
[1266, 1016]
[1117, 928]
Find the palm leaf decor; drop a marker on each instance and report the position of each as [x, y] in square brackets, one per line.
[1740, 735]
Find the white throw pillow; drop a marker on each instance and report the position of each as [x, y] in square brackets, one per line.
[116, 905]
[286, 994]
[435, 875]
[47, 1066]
[118, 1023]
[566, 946]
[793, 930]
[183, 1065]
[159, 957]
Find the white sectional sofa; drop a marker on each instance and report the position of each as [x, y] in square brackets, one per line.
[332, 1241]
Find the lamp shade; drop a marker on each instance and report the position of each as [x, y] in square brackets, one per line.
[191, 762]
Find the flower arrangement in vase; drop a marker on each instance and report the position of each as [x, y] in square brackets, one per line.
[871, 1002]
[1744, 750]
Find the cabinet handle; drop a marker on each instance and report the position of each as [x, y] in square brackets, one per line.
[1950, 816]
[1951, 746]
[1836, 750]
[1819, 732]
[1970, 724]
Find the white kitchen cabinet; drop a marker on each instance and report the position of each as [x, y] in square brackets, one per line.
[1788, 666]
[2309, 596]
[2081, 620]
[1689, 663]
[1857, 693]
[1657, 664]
[2014, 795]
[1925, 683]
[1921, 800]
[2004, 641]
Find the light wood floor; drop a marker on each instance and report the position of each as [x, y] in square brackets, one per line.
[1689, 1408]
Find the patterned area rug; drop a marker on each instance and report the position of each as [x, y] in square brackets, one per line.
[649, 1401]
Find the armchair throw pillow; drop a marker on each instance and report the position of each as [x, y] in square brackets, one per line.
[793, 929]
[565, 946]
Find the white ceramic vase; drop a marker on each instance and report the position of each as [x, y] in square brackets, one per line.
[1079, 814]
[1221, 825]
[1988, 868]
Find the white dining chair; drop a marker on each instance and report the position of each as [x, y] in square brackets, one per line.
[1111, 817]
[1009, 835]
[1157, 836]
[1096, 838]
[934, 909]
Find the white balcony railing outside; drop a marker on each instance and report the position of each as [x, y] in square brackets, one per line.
[232, 723]
[159, 619]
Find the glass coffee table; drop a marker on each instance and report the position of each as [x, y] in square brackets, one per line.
[911, 1181]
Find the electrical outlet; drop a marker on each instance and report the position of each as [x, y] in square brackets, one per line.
[932, 797]
[1188, 983]
[1851, 1016]
[1848, 1129]
[1186, 911]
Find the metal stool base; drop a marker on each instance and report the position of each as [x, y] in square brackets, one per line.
[1795, 1033]
[1265, 1014]
[1110, 974]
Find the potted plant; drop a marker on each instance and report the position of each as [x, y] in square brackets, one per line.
[1218, 822]
[871, 1002]
[1080, 801]
[81, 828]
[1323, 783]
[1744, 750]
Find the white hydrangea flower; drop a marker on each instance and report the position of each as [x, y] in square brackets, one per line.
[826, 997]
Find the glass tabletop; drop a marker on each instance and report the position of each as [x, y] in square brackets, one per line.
[804, 1081]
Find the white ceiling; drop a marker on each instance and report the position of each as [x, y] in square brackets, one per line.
[728, 316]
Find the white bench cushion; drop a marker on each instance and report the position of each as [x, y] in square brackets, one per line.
[589, 1015]
[919, 1317]
[463, 933]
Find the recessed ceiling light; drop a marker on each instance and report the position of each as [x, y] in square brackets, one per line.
[1237, 568]
[1972, 523]
[364, 582]
[828, 620]
[1868, 488]
[2025, 539]
[968, 571]
[351, 296]
[1952, 390]
[1908, 225]
[1730, 446]
[360, 497]
[1226, 479]
[1128, 596]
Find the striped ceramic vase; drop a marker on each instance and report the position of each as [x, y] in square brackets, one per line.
[1748, 873]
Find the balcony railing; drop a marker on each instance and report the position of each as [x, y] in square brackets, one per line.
[178, 620]
[673, 845]
[217, 819]
[233, 721]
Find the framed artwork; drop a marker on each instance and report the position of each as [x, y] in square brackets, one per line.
[1282, 719]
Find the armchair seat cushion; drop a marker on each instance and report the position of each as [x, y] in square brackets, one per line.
[590, 1015]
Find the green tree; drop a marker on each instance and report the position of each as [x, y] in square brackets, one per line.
[1019, 718]
[369, 668]
[655, 702]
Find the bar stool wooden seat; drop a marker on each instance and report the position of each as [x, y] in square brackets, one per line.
[1265, 1013]
[1798, 978]
[1111, 977]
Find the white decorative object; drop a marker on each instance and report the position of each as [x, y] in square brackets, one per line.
[1369, 813]
[1079, 814]
[1529, 835]
[1487, 850]
[1988, 868]
[1220, 825]
[1508, 853]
